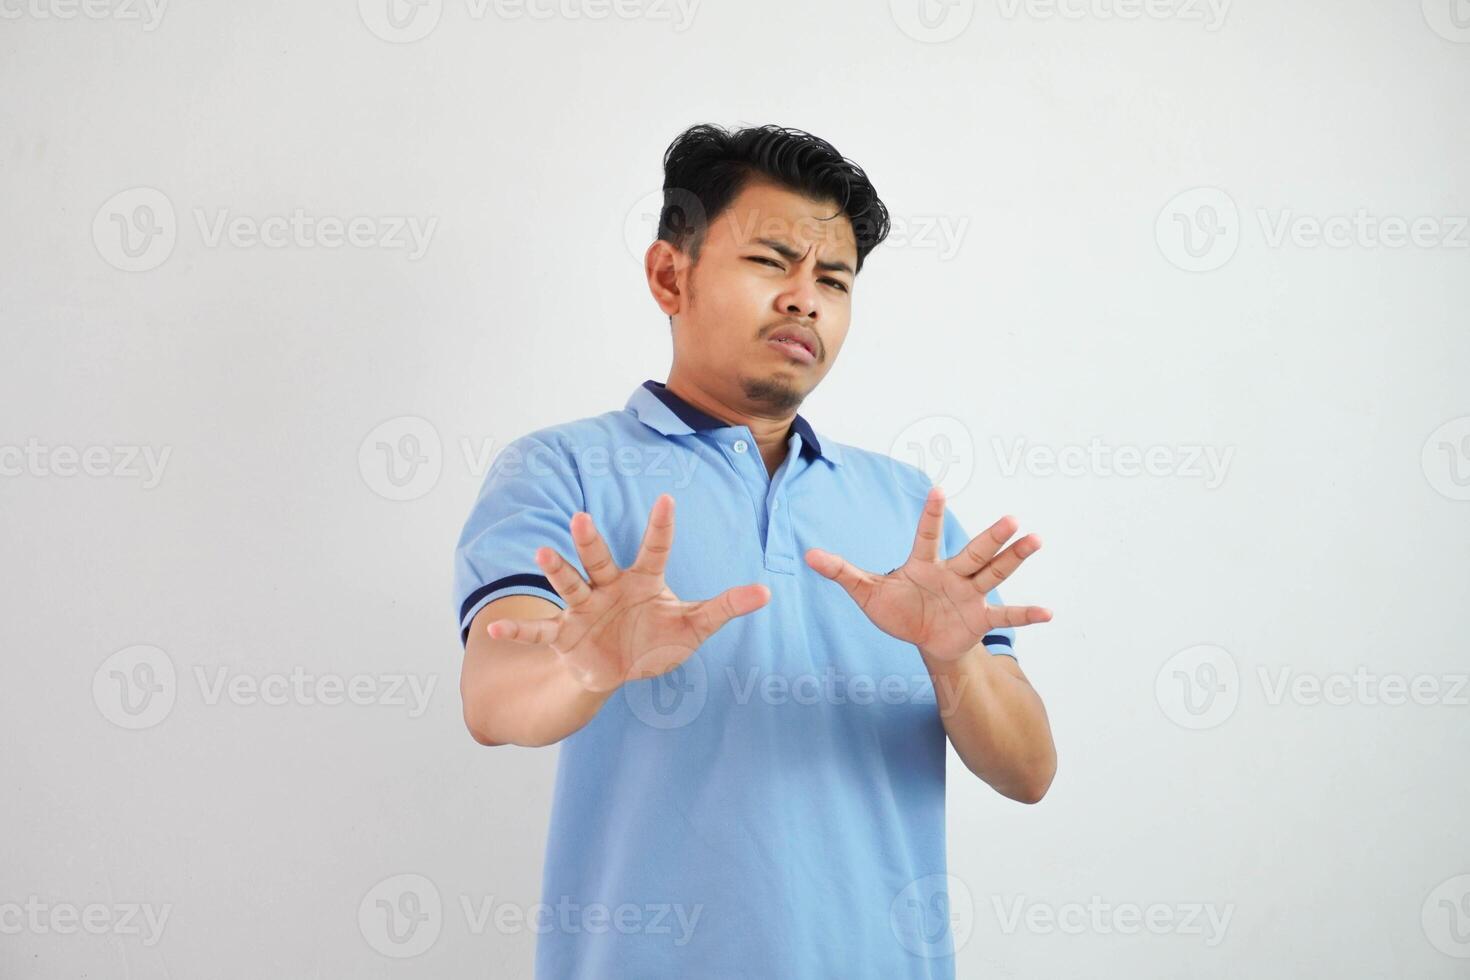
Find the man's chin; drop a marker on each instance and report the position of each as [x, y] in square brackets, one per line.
[773, 392]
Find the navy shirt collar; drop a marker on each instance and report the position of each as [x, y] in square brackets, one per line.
[699, 420]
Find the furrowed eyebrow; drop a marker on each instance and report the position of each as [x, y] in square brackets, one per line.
[791, 255]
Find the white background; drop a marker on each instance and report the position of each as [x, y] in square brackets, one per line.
[1062, 305]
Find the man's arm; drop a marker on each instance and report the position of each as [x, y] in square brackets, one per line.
[993, 717]
[996, 722]
[518, 693]
[623, 624]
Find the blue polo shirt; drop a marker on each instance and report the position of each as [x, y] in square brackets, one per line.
[774, 807]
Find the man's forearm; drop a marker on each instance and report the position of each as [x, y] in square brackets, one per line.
[996, 722]
[521, 694]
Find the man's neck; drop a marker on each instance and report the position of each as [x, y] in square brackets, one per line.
[771, 434]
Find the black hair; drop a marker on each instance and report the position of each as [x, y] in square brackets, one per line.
[706, 167]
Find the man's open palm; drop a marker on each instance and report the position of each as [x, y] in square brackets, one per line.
[935, 603]
[626, 623]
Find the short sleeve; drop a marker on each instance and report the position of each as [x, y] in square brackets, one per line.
[1001, 640]
[527, 501]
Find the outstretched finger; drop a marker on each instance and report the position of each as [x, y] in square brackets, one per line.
[596, 559]
[931, 528]
[565, 579]
[858, 583]
[983, 547]
[523, 630]
[658, 538]
[1019, 615]
[1005, 563]
[709, 615]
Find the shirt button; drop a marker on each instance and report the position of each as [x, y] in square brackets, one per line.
[740, 445]
[775, 505]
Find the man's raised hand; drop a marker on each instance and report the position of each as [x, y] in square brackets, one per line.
[934, 603]
[625, 624]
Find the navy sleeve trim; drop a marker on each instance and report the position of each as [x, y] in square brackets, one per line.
[996, 638]
[539, 581]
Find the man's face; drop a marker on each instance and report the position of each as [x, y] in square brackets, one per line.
[773, 263]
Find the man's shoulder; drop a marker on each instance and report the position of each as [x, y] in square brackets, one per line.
[882, 467]
[571, 434]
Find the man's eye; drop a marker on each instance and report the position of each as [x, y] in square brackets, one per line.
[773, 263]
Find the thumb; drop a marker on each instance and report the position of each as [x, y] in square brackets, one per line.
[824, 562]
[857, 582]
[713, 613]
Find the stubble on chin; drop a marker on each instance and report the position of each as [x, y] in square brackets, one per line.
[773, 394]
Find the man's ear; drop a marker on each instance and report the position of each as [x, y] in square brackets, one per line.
[661, 268]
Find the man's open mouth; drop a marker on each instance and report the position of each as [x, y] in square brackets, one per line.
[793, 348]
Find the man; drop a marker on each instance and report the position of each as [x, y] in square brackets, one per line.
[752, 721]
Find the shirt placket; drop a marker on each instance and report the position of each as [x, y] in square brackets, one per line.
[767, 495]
